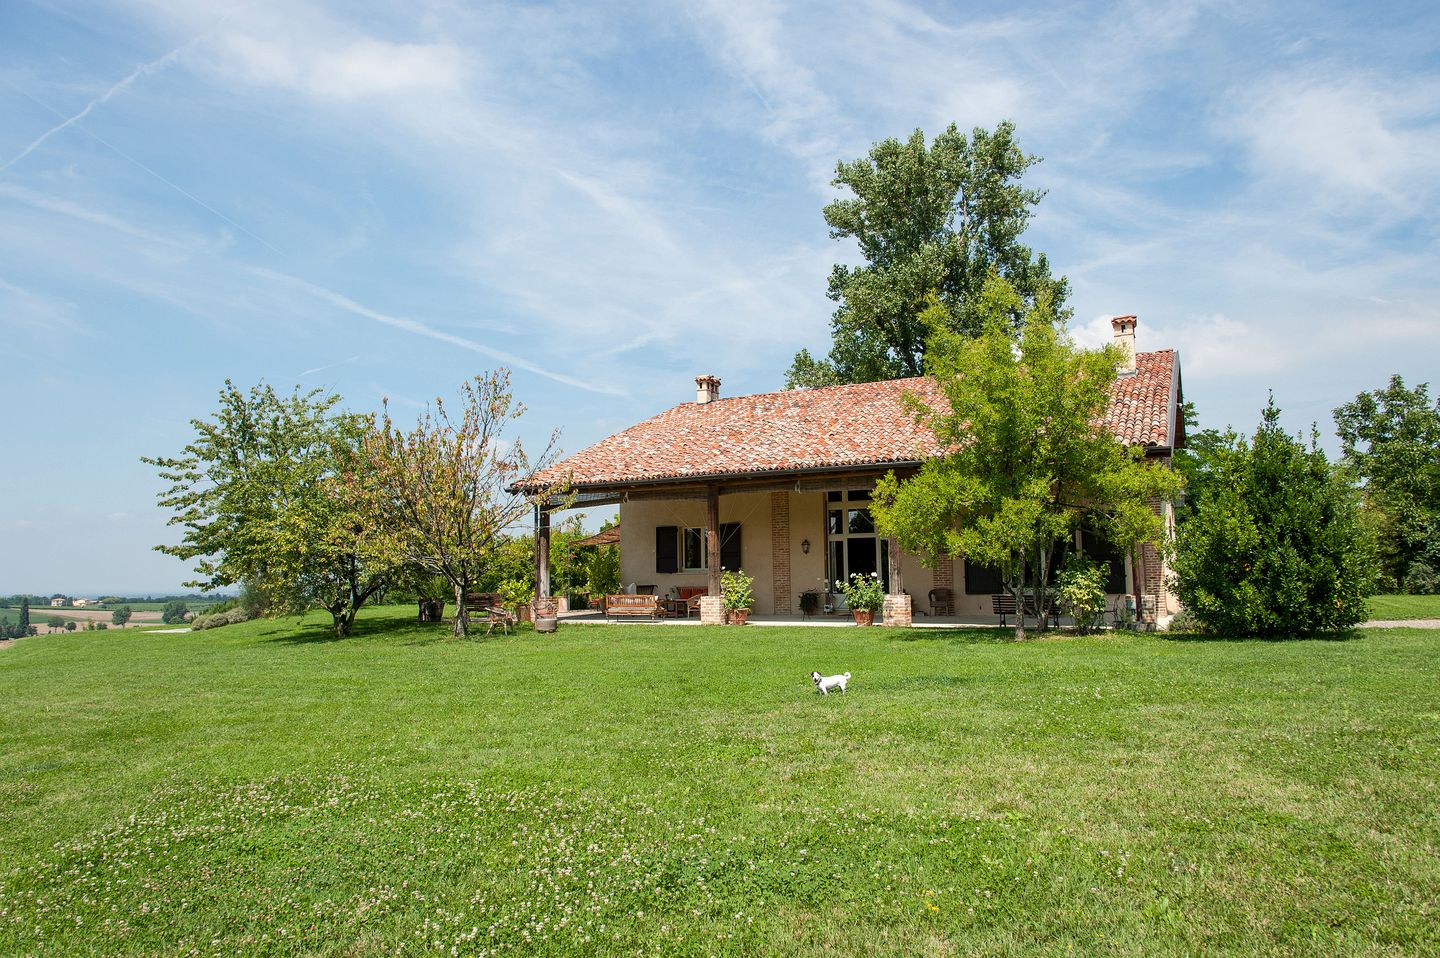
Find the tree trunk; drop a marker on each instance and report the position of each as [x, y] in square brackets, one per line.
[1042, 560]
[462, 619]
[1017, 591]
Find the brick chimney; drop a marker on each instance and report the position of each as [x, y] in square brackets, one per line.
[707, 388]
[1124, 327]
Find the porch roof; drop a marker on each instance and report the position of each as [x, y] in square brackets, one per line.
[826, 429]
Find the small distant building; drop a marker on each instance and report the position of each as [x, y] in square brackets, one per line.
[80, 603]
[57, 602]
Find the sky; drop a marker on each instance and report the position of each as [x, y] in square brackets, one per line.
[385, 199]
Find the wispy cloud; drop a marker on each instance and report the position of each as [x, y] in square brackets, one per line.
[65, 207]
[22, 308]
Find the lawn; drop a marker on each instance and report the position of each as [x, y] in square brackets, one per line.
[261, 789]
[1389, 607]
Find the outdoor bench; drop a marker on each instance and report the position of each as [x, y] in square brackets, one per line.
[633, 606]
[490, 605]
[1003, 605]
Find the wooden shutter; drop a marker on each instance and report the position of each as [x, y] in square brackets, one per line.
[667, 549]
[730, 557]
[982, 580]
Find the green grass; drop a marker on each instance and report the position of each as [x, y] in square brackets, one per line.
[1387, 607]
[260, 789]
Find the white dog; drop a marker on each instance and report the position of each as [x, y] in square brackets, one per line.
[824, 683]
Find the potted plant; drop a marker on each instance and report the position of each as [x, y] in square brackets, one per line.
[431, 591]
[739, 599]
[864, 595]
[518, 596]
[810, 603]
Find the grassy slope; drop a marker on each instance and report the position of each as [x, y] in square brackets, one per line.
[1405, 607]
[687, 790]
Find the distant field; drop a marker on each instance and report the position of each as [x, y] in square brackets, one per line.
[626, 789]
[1405, 607]
[39, 615]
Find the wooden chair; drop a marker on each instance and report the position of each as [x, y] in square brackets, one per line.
[489, 604]
[692, 604]
[942, 601]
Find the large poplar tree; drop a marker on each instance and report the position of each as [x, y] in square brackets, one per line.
[1391, 441]
[938, 219]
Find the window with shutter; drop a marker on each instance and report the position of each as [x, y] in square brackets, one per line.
[730, 553]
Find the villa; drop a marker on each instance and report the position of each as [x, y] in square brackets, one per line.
[785, 478]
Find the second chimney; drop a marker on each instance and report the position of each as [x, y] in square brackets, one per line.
[707, 389]
[1124, 327]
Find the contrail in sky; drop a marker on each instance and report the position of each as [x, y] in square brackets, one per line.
[143, 69]
[421, 329]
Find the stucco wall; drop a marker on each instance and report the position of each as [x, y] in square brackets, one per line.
[638, 521]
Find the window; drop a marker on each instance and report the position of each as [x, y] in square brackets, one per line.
[692, 552]
[853, 547]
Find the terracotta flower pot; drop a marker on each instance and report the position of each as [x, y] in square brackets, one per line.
[737, 616]
[863, 616]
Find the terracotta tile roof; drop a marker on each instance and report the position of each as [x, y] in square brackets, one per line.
[803, 430]
[1140, 410]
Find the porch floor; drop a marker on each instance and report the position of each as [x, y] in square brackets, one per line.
[595, 617]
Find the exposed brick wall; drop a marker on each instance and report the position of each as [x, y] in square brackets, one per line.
[944, 575]
[780, 552]
[1152, 569]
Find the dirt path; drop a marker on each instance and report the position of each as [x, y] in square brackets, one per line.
[1402, 624]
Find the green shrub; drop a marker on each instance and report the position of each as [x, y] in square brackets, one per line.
[1276, 545]
[174, 612]
[1421, 579]
[736, 588]
[1081, 590]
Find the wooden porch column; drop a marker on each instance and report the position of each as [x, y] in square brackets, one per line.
[712, 604]
[542, 553]
[897, 578]
[712, 536]
[897, 604]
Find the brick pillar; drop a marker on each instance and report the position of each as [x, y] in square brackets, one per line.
[897, 611]
[712, 610]
[780, 552]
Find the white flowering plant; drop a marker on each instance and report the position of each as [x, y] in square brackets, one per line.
[863, 593]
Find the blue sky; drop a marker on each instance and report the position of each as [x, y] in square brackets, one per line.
[384, 199]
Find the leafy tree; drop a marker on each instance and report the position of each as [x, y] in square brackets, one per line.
[1391, 440]
[1275, 545]
[265, 493]
[54, 622]
[603, 577]
[443, 496]
[24, 623]
[1029, 463]
[121, 615]
[70, 626]
[174, 612]
[940, 219]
